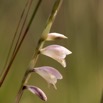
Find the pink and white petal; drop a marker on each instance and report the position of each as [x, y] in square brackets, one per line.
[62, 62]
[37, 91]
[50, 74]
[49, 70]
[57, 53]
[55, 50]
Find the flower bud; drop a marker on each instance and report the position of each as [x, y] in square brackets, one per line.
[37, 91]
[55, 36]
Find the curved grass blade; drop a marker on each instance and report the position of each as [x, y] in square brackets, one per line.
[14, 37]
[51, 18]
[19, 45]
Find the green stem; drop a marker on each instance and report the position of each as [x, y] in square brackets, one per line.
[19, 95]
[27, 73]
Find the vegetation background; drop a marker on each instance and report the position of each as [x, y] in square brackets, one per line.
[82, 22]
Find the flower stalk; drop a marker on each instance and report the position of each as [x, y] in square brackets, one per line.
[38, 48]
[27, 73]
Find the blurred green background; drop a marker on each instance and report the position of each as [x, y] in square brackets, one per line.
[82, 22]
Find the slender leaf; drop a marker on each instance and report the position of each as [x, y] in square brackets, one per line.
[51, 18]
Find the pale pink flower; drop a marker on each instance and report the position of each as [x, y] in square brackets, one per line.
[50, 74]
[37, 91]
[56, 52]
[54, 36]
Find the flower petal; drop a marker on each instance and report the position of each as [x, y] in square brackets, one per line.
[50, 74]
[54, 36]
[37, 91]
[56, 52]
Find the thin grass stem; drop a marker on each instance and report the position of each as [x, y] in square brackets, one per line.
[21, 30]
[13, 40]
[19, 45]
